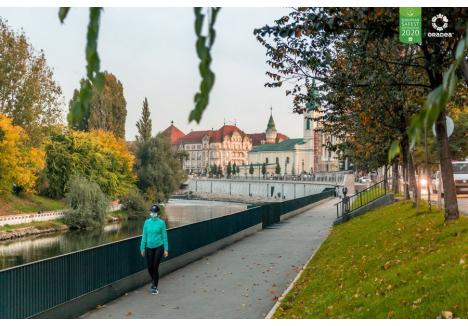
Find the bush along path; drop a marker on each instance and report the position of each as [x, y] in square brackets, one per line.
[387, 263]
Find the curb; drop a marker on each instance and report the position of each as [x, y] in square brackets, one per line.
[283, 295]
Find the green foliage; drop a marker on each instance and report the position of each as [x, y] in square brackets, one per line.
[264, 168]
[106, 110]
[234, 168]
[29, 94]
[158, 169]
[98, 155]
[438, 98]
[80, 109]
[229, 170]
[237, 170]
[220, 171]
[388, 263]
[87, 204]
[203, 47]
[135, 205]
[144, 125]
[278, 168]
[251, 169]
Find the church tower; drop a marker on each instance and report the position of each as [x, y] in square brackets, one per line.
[271, 131]
[311, 106]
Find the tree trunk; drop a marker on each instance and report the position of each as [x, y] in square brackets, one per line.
[446, 169]
[415, 185]
[412, 178]
[395, 180]
[405, 146]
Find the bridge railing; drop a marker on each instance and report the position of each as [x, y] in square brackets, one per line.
[31, 289]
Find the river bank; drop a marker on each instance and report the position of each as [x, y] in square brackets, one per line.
[35, 228]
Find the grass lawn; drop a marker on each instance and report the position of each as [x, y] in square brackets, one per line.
[387, 263]
[56, 224]
[28, 203]
[366, 196]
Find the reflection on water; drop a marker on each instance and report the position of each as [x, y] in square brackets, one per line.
[178, 211]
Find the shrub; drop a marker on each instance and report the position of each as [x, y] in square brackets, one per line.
[135, 205]
[88, 204]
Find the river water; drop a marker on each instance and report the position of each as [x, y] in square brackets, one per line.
[179, 212]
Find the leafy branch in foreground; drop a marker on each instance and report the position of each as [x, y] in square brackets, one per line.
[435, 102]
[203, 46]
[80, 111]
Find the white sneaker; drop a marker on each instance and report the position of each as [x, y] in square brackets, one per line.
[154, 291]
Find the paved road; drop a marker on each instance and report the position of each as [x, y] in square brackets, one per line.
[242, 280]
[462, 202]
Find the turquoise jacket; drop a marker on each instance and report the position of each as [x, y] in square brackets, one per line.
[154, 234]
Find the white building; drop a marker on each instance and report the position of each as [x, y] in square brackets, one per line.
[294, 156]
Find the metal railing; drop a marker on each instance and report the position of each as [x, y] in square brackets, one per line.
[362, 198]
[30, 289]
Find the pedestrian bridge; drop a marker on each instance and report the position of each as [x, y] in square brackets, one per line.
[279, 189]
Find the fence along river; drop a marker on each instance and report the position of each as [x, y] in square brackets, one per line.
[179, 212]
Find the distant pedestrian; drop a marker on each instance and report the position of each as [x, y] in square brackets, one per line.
[154, 245]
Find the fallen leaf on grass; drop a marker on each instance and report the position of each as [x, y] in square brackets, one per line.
[129, 313]
[446, 314]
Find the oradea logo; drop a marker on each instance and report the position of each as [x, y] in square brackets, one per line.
[439, 20]
[439, 23]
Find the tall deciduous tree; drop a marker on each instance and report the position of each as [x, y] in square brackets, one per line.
[144, 125]
[19, 162]
[158, 168]
[107, 109]
[97, 155]
[28, 92]
[307, 43]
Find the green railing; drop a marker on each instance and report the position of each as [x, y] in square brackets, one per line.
[360, 199]
[30, 289]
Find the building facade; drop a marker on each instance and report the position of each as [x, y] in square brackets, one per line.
[205, 148]
[294, 156]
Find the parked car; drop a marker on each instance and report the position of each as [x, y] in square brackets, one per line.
[364, 180]
[460, 175]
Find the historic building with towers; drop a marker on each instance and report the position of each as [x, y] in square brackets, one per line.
[294, 156]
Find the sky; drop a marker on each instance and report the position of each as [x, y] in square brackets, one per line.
[152, 52]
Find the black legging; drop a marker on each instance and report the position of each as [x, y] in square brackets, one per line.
[153, 259]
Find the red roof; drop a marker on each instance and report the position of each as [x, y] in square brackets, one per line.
[174, 133]
[259, 137]
[215, 136]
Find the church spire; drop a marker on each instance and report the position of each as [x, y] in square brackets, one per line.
[271, 123]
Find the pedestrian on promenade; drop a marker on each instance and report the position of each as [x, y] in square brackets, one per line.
[154, 245]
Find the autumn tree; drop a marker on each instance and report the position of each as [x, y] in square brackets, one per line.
[144, 125]
[20, 163]
[97, 155]
[107, 109]
[304, 45]
[29, 95]
[251, 169]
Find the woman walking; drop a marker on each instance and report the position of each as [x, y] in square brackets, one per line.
[154, 245]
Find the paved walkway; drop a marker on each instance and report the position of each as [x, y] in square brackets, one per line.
[242, 280]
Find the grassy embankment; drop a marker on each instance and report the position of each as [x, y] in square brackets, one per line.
[28, 203]
[387, 263]
[366, 196]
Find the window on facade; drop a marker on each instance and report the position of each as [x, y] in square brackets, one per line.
[287, 160]
[266, 160]
[277, 160]
[308, 124]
